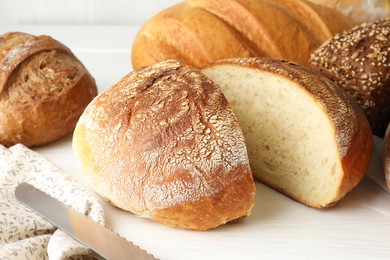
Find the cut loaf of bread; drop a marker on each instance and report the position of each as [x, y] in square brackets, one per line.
[304, 136]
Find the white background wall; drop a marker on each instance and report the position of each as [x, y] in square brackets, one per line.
[80, 11]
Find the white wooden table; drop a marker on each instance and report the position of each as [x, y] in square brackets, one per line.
[278, 228]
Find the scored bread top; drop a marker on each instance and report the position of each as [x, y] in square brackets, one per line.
[200, 31]
[254, 34]
[179, 32]
[279, 29]
[16, 47]
[43, 89]
[321, 23]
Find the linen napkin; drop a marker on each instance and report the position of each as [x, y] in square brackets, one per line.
[23, 233]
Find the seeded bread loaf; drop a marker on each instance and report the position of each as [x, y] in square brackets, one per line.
[359, 61]
[305, 137]
[201, 31]
[165, 144]
[387, 156]
[44, 89]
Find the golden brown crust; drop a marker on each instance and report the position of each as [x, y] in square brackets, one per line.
[200, 31]
[253, 31]
[185, 33]
[260, 26]
[308, 16]
[200, 215]
[164, 143]
[43, 89]
[358, 61]
[352, 131]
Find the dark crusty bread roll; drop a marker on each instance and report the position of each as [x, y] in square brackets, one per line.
[305, 137]
[387, 156]
[44, 89]
[164, 143]
[358, 60]
[201, 31]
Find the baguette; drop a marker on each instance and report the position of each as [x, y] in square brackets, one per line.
[200, 31]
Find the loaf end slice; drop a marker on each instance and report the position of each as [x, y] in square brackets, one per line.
[305, 137]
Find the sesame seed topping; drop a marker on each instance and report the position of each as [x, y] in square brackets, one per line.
[358, 61]
[381, 37]
[355, 55]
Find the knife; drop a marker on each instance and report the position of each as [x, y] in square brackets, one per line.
[101, 240]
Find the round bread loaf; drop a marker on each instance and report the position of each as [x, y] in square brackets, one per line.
[164, 143]
[305, 137]
[387, 156]
[359, 61]
[44, 89]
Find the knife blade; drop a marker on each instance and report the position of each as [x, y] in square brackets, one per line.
[98, 238]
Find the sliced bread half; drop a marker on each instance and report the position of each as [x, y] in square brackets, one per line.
[305, 137]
